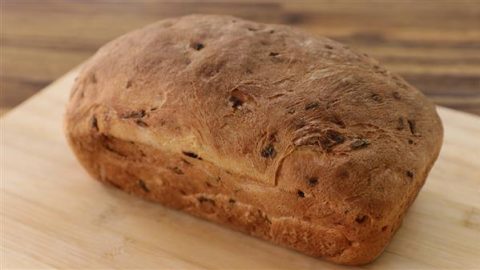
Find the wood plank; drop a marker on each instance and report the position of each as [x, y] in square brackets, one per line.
[55, 216]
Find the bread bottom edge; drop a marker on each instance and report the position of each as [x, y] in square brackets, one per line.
[119, 169]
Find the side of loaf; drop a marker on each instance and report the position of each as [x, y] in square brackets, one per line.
[266, 129]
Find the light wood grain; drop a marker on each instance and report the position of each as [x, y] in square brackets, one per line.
[54, 215]
[434, 44]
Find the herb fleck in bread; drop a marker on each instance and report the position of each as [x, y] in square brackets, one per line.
[269, 130]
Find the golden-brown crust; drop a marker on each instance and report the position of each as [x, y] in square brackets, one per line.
[289, 137]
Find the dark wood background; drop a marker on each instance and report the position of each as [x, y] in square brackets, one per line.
[435, 45]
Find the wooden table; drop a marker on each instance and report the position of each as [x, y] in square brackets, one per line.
[435, 45]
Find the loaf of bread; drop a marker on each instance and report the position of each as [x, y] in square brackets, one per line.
[266, 129]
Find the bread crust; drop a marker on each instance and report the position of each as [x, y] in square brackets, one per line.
[269, 130]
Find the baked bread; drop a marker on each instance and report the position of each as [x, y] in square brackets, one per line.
[269, 130]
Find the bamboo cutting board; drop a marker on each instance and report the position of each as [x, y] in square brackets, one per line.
[55, 216]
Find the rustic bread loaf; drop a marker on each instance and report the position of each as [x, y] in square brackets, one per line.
[267, 129]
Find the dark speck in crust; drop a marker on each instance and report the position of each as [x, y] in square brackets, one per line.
[400, 123]
[94, 123]
[142, 185]
[93, 78]
[134, 114]
[269, 151]
[197, 46]
[331, 139]
[335, 136]
[412, 125]
[311, 105]
[191, 154]
[203, 199]
[312, 181]
[359, 143]
[377, 97]
[141, 123]
[235, 102]
[396, 95]
[361, 219]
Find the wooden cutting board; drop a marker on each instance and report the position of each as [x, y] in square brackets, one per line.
[54, 215]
